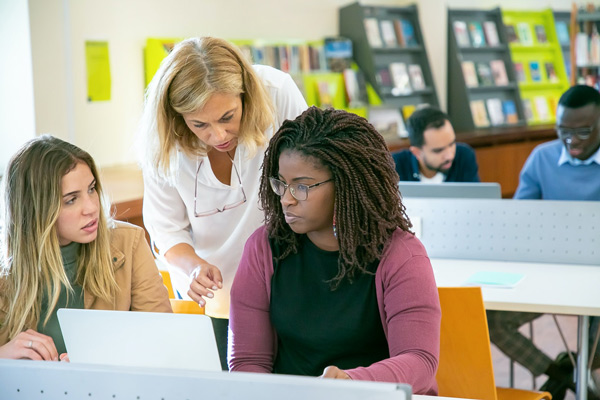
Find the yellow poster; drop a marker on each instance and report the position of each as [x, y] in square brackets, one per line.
[98, 70]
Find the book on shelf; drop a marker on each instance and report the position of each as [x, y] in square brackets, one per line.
[416, 77]
[408, 110]
[484, 74]
[511, 34]
[388, 34]
[461, 34]
[491, 33]
[388, 122]
[408, 33]
[541, 108]
[284, 59]
[372, 31]
[338, 53]
[520, 72]
[383, 78]
[524, 33]
[534, 71]
[562, 32]
[528, 109]
[326, 92]
[468, 70]
[494, 108]
[553, 104]
[499, 72]
[476, 33]
[540, 34]
[356, 88]
[480, 118]
[398, 31]
[551, 72]
[510, 112]
[581, 49]
[400, 78]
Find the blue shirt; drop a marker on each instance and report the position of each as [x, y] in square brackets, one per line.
[464, 167]
[550, 173]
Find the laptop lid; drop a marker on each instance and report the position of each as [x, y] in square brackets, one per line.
[140, 339]
[464, 190]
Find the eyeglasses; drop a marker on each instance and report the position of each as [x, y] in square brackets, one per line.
[581, 133]
[298, 190]
[226, 206]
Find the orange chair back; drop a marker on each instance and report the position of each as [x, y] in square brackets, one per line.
[167, 282]
[186, 307]
[465, 369]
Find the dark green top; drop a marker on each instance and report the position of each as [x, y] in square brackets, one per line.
[70, 255]
[317, 327]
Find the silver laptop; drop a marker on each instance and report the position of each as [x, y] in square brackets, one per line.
[464, 190]
[140, 339]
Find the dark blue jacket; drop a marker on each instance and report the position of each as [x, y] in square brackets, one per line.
[464, 167]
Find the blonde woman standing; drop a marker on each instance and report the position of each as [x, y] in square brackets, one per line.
[60, 250]
[208, 117]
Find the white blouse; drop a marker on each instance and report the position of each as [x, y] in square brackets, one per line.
[219, 238]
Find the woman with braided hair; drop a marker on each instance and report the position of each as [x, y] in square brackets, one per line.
[335, 284]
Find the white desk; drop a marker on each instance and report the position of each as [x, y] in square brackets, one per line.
[579, 294]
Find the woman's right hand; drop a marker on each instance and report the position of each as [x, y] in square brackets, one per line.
[30, 345]
[206, 278]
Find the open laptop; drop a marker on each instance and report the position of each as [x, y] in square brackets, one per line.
[464, 190]
[140, 339]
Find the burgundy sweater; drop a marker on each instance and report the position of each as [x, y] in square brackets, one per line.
[408, 305]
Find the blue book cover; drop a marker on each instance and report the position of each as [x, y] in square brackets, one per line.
[534, 71]
[510, 112]
[408, 33]
[562, 32]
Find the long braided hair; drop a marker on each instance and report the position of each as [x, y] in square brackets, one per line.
[368, 206]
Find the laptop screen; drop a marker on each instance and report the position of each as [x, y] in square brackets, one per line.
[140, 339]
[473, 190]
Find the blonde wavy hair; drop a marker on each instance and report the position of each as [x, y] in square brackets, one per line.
[31, 262]
[196, 69]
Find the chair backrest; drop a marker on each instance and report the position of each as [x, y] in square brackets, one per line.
[465, 367]
[186, 307]
[167, 282]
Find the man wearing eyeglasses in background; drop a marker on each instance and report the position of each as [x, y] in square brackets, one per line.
[567, 168]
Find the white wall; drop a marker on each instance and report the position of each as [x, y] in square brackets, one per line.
[17, 119]
[59, 29]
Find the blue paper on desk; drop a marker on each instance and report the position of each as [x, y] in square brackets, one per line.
[494, 279]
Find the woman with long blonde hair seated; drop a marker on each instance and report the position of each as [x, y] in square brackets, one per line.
[61, 250]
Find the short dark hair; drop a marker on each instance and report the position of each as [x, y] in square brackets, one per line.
[368, 207]
[579, 96]
[421, 120]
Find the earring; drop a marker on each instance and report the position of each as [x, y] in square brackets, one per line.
[334, 227]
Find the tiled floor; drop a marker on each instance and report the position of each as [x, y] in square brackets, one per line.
[547, 338]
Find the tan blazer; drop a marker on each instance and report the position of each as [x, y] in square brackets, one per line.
[140, 284]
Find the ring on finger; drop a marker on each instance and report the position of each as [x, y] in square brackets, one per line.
[30, 344]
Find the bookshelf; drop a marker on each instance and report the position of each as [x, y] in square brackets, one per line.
[585, 45]
[482, 88]
[538, 61]
[389, 49]
[305, 61]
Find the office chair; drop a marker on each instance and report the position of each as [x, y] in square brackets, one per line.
[465, 368]
[167, 282]
[186, 307]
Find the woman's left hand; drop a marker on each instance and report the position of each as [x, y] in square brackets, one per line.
[334, 372]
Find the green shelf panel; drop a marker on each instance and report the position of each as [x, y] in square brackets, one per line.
[543, 53]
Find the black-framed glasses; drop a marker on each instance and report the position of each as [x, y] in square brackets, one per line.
[226, 206]
[580, 133]
[298, 190]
